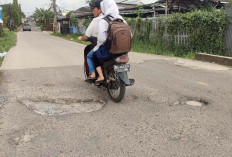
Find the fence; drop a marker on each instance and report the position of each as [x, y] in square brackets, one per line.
[229, 33]
[182, 38]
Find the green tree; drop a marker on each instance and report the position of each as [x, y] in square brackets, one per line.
[69, 14]
[16, 14]
[43, 17]
[73, 20]
[6, 14]
[23, 15]
[86, 22]
[12, 13]
[230, 2]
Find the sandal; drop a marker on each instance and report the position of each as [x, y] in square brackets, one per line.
[97, 83]
[90, 79]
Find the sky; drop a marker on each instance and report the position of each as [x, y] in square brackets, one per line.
[28, 6]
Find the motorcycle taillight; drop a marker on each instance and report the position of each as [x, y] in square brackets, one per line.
[122, 59]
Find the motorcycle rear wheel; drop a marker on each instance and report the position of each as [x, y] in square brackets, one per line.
[117, 94]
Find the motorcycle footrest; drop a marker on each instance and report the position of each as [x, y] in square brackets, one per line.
[132, 82]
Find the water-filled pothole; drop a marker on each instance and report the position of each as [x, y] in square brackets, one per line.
[54, 107]
[192, 102]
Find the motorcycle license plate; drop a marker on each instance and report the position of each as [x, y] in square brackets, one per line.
[121, 68]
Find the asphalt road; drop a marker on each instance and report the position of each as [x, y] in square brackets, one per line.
[46, 108]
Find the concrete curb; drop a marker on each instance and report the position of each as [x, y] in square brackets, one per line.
[214, 58]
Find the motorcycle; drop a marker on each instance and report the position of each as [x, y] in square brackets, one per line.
[115, 73]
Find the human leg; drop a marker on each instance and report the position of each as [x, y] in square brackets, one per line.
[91, 64]
[100, 73]
[98, 68]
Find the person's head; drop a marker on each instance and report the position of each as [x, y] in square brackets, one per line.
[96, 8]
[109, 7]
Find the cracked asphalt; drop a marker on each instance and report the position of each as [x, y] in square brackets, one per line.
[152, 120]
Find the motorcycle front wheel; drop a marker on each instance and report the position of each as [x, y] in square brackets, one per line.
[85, 73]
[117, 93]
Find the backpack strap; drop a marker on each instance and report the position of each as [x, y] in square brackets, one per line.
[108, 19]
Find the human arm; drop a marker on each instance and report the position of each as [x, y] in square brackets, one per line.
[102, 32]
[83, 38]
[89, 32]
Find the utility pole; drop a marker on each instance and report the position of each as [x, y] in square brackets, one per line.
[166, 16]
[55, 16]
[166, 9]
[153, 7]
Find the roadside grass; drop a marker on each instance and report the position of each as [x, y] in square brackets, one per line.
[8, 40]
[160, 47]
[1, 60]
[71, 37]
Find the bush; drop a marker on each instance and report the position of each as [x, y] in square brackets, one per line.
[206, 30]
[1, 30]
[7, 41]
[86, 22]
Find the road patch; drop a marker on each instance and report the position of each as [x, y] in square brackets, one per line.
[56, 107]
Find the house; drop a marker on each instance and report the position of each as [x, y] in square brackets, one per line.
[161, 7]
[130, 10]
[150, 8]
[189, 5]
[82, 13]
[63, 24]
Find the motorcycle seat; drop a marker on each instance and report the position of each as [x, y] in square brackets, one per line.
[111, 61]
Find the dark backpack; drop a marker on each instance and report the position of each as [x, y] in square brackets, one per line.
[119, 36]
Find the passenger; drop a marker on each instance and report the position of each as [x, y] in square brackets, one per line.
[92, 30]
[109, 8]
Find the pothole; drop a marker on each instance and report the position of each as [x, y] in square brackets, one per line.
[55, 107]
[192, 102]
[22, 139]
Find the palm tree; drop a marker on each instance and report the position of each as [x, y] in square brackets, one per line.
[43, 17]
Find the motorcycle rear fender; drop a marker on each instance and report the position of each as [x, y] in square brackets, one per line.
[124, 77]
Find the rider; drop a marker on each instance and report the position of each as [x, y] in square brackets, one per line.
[92, 30]
[109, 8]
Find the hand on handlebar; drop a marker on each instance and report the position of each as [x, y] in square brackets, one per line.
[80, 38]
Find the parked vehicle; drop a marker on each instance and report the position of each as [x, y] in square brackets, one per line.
[26, 27]
[115, 73]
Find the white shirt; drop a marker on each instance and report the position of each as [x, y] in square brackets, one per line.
[92, 30]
